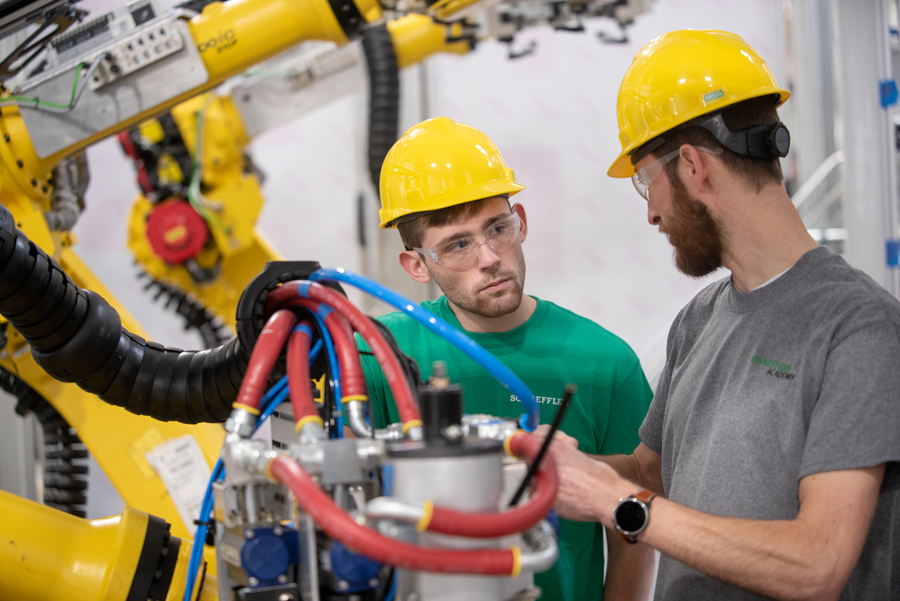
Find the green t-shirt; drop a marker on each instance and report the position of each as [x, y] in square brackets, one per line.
[553, 348]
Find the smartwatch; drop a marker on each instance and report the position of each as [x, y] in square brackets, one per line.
[632, 514]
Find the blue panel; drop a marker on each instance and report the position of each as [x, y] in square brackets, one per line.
[893, 252]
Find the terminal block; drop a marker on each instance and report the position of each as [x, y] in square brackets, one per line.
[143, 48]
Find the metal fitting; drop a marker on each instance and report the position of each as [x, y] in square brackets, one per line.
[241, 422]
[312, 433]
[544, 549]
[452, 432]
[488, 426]
[392, 432]
[311, 456]
[415, 433]
[370, 453]
[389, 508]
[355, 412]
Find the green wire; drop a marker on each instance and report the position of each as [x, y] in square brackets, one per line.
[194, 187]
[37, 101]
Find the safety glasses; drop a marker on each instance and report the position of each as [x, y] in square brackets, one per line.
[643, 177]
[460, 254]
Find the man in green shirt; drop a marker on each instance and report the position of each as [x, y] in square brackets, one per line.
[446, 187]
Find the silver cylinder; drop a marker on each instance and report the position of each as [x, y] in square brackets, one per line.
[462, 480]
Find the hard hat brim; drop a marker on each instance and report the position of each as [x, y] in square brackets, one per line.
[622, 166]
[389, 218]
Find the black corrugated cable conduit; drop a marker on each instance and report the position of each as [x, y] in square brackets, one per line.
[384, 96]
[77, 337]
[65, 456]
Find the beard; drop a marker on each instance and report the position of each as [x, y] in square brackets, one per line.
[693, 233]
[496, 304]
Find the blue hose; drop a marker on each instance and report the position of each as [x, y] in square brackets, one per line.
[320, 316]
[393, 590]
[529, 421]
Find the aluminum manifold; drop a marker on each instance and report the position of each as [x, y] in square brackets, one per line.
[268, 547]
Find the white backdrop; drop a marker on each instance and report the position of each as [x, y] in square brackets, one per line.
[552, 114]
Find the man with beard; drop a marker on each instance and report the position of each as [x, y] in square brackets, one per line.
[769, 458]
[446, 187]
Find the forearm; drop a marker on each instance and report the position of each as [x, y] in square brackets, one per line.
[780, 559]
[808, 557]
[629, 569]
[630, 468]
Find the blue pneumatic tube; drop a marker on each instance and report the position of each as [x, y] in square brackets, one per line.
[529, 421]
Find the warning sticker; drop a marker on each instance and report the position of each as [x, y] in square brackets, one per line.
[183, 469]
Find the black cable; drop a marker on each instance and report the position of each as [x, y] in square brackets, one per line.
[408, 364]
[76, 336]
[384, 96]
[557, 421]
[65, 456]
[329, 397]
[196, 316]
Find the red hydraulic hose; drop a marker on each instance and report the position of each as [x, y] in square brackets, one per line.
[265, 353]
[298, 375]
[286, 295]
[353, 380]
[523, 517]
[340, 526]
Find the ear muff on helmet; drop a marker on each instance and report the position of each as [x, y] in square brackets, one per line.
[778, 140]
[763, 142]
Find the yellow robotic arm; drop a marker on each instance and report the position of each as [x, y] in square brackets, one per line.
[48, 554]
[210, 261]
[224, 39]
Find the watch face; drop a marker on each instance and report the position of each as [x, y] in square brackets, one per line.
[630, 516]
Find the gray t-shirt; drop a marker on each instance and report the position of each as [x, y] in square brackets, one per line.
[765, 387]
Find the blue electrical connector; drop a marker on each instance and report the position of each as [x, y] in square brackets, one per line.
[529, 421]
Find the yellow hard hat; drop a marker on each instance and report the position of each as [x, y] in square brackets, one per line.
[680, 76]
[437, 164]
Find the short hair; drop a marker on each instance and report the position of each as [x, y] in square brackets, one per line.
[412, 232]
[744, 115]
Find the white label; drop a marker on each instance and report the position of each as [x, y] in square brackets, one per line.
[183, 469]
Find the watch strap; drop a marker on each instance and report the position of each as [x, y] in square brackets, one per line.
[644, 496]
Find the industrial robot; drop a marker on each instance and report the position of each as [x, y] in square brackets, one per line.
[69, 86]
[437, 506]
[192, 230]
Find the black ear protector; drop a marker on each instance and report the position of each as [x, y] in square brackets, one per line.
[763, 142]
[778, 140]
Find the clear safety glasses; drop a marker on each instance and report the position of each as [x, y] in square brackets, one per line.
[643, 177]
[460, 254]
